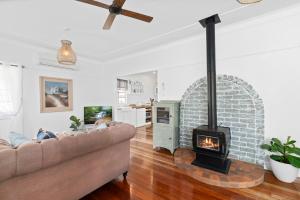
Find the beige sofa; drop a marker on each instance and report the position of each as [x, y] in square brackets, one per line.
[66, 168]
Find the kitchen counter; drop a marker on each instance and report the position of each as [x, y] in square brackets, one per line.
[135, 116]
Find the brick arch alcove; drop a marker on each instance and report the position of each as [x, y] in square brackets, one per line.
[239, 107]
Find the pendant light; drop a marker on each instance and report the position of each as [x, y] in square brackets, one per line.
[66, 55]
[248, 1]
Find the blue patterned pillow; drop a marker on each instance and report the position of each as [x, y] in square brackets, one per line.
[16, 139]
[43, 135]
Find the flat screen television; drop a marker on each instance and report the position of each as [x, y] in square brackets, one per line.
[94, 113]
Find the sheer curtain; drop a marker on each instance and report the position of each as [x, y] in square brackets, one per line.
[10, 90]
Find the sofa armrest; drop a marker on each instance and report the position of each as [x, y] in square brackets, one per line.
[122, 132]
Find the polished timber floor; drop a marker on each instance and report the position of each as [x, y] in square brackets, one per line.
[153, 175]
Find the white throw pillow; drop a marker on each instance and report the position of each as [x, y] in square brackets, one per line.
[101, 126]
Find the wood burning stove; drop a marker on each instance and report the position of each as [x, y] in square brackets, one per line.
[212, 148]
[211, 143]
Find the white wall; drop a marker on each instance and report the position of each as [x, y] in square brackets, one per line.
[173, 81]
[88, 89]
[149, 81]
[263, 51]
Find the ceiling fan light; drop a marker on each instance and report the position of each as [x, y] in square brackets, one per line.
[248, 1]
[66, 55]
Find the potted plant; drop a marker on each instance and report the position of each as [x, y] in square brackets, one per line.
[75, 123]
[285, 161]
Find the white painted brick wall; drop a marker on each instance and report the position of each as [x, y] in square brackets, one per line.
[239, 107]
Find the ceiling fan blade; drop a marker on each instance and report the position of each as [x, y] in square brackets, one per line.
[119, 3]
[95, 3]
[109, 21]
[135, 15]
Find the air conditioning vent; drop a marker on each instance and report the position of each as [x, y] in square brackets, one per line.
[50, 60]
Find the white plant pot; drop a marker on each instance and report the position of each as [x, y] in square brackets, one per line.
[284, 172]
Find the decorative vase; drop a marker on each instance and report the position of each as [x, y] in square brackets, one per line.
[284, 172]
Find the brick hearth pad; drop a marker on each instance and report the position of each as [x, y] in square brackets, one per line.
[241, 174]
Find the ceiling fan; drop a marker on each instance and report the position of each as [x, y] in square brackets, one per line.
[116, 9]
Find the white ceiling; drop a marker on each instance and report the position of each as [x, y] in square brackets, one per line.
[42, 22]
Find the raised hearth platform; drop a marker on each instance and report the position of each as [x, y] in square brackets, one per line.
[241, 174]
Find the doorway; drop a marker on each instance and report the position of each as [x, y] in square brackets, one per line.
[136, 94]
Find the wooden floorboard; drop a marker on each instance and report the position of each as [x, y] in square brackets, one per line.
[154, 176]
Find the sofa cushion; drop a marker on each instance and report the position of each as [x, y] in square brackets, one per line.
[51, 152]
[68, 145]
[94, 140]
[7, 164]
[4, 147]
[121, 132]
[29, 158]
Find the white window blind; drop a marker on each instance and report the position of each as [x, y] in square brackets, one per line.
[10, 90]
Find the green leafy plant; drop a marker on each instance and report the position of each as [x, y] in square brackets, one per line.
[75, 123]
[285, 152]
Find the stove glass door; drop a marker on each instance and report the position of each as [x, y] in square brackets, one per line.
[208, 142]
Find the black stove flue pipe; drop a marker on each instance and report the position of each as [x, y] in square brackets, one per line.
[209, 24]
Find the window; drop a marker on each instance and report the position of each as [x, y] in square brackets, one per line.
[122, 88]
[10, 90]
[122, 84]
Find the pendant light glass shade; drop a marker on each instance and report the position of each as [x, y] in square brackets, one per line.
[66, 55]
[248, 1]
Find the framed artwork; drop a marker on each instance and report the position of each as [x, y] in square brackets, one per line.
[56, 94]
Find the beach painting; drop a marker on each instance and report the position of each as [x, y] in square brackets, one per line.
[56, 94]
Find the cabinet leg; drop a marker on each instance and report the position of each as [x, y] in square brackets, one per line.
[125, 174]
[173, 152]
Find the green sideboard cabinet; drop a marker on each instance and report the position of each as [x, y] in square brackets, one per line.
[166, 125]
